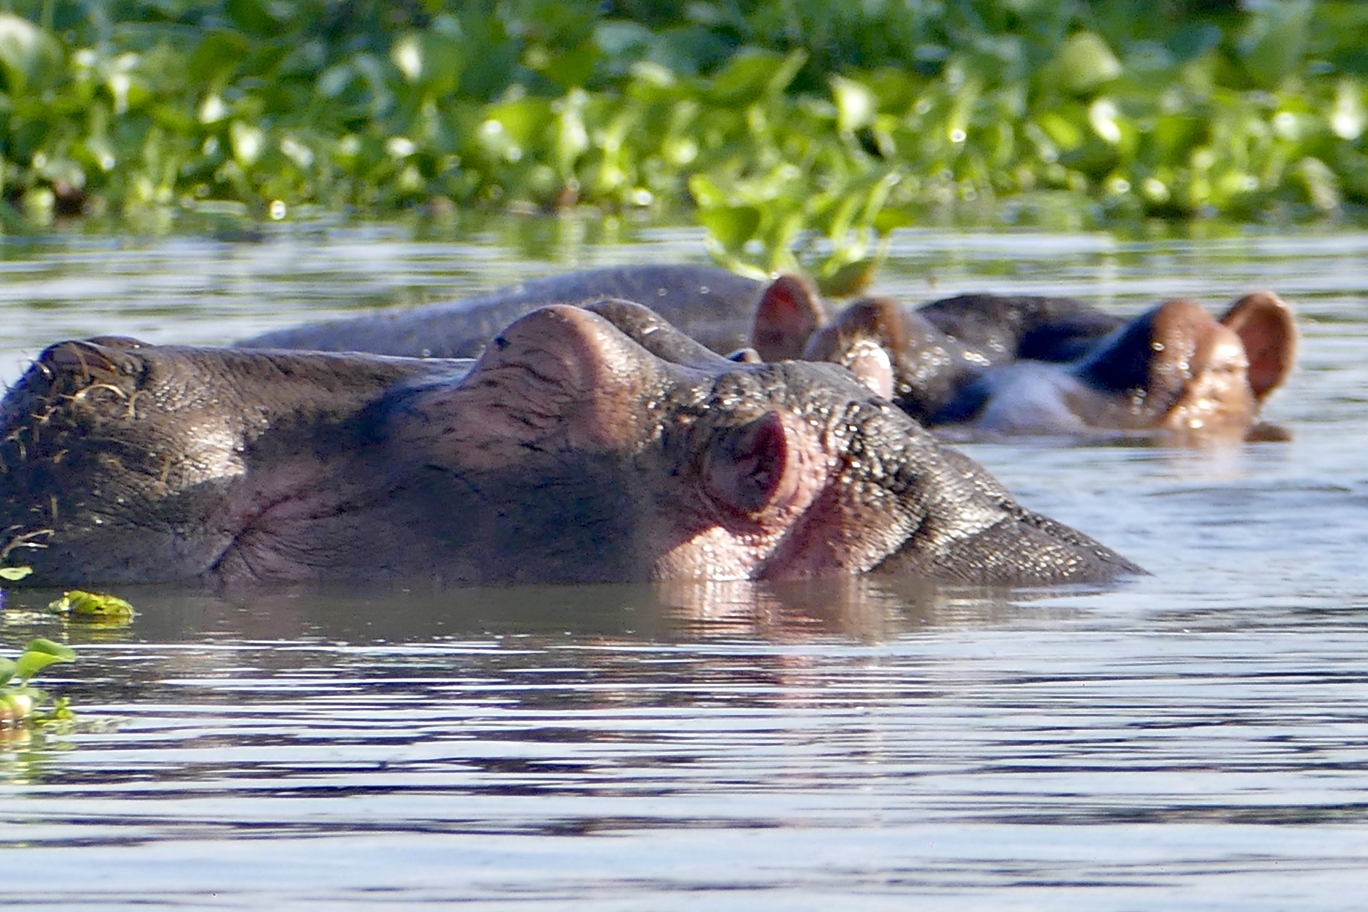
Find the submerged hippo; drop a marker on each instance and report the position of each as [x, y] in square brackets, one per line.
[585, 444]
[999, 363]
[711, 305]
[1056, 365]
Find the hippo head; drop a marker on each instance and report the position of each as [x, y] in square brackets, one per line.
[1032, 364]
[594, 444]
[1177, 368]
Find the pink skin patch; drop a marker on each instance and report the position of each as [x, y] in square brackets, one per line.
[755, 484]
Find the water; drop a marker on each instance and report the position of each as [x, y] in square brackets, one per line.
[1197, 739]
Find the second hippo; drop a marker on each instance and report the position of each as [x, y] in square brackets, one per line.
[1013, 364]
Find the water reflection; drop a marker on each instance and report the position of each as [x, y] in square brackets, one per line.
[871, 609]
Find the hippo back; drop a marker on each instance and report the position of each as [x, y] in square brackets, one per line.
[709, 304]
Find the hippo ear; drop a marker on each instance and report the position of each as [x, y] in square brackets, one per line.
[788, 313]
[748, 468]
[1264, 323]
[879, 320]
[861, 338]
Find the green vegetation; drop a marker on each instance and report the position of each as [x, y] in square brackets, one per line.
[790, 127]
[19, 700]
[93, 607]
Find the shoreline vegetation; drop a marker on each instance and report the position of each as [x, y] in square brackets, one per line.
[794, 131]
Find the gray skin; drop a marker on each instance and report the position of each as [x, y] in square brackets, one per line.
[584, 445]
[709, 304]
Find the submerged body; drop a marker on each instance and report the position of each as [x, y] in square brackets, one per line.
[584, 445]
[711, 305]
[1007, 364]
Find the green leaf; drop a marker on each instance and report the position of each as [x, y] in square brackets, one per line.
[430, 59]
[219, 53]
[1085, 62]
[845, 279]
[572, 68]
[48, 647]
[731, 226]
[524, 121]
[1273, 41]
[30, 663]
[29, 56]
[6, 670]
[856, 104]
[752, 74]
[14, 574]
[706, 193]
[252, 16]
[889, 220]
[39, 654]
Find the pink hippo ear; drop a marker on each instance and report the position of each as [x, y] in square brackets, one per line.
[1264, 323]
[788, 313]
[749, 468]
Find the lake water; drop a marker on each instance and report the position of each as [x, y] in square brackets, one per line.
[1197, 739]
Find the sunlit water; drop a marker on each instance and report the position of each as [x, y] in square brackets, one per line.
[1197, 739]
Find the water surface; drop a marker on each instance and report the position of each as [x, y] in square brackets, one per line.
[1197, 739]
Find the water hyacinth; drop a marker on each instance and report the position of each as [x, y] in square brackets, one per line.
[18, 698]
[792, 130]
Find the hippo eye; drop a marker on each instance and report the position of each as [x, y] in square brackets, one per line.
[746, 468]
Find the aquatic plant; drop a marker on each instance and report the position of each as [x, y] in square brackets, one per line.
[19, 700]
[793, 130]
[93, 607]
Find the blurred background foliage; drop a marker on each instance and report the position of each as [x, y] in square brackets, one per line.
[791, 129]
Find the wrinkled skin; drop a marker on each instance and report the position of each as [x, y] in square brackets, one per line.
[583, 445]
[1009, 364]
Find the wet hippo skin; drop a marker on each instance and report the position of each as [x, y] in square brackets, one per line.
[1013, 364]
[584, 445]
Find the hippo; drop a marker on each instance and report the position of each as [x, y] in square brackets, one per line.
[711, 305]
[1026, 364]
[585, 444]
[999, 363]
